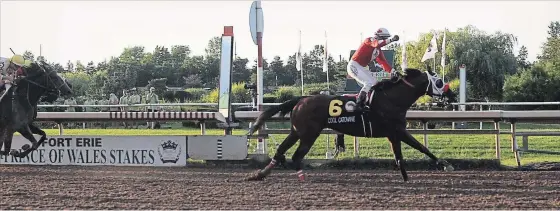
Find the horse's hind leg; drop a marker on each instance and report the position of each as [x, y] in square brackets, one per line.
[4, 138]
[290, 140]
[26, 132]
[307, 139]
[8, 141]
[36, 130]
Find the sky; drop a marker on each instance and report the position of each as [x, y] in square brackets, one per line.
[96, 30]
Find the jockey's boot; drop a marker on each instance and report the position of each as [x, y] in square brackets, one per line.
[361, 102]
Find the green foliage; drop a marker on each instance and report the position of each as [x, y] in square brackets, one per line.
[488, 57]
[542, 81]
[239, 94]
[268, 98]
[316, 88]
[523, 86]
[80, 81]
[159, 84]
[285, 93]
[196, 93]
[211, 97]
[424, 99]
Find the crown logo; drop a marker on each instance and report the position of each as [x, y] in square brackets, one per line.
[169, 145]
[169, 151]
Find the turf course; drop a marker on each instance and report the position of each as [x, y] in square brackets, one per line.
[444, 146]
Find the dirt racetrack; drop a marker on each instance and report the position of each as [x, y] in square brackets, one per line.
[73, 187]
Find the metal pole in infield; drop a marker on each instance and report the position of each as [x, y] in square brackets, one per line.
[256, 25]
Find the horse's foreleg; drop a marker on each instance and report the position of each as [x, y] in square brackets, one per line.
[339, 146]
[397, 151]
[412, 142]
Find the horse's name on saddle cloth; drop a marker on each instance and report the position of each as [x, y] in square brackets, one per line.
[342, 119]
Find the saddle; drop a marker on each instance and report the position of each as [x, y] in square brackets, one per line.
[355, 95]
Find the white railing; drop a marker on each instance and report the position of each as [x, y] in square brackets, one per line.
[495, 116]
[271, 104]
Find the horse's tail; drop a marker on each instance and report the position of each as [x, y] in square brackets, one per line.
[283, 109]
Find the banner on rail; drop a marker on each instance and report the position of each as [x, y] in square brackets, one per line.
[104, 150]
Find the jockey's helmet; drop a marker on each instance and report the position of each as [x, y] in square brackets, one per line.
[382, 33]
[17, 60]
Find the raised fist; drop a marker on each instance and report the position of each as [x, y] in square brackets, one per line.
[395, 38]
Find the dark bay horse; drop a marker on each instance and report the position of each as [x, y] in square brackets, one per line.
[386, 117]
[20, 110]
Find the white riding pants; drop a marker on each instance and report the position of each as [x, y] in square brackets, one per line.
[362, 75]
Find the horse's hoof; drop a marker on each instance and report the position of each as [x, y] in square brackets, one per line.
[341, 149]
[448, 168]
[25, 147]
[257, 177]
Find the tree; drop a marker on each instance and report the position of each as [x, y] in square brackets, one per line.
[80, 82]
[293, 75]
[533, 85]
[193, 70]
[254, 70]
[489, 59]
[159, 84]
[27, 55]
[192, 81]
[90, 68]
[275, 74]
[522, 62]
[240, 72]
[210, 75]
[551, 48]
[542, 81]
[80, 67]
[179, 54]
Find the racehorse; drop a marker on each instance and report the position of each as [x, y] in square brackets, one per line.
[386, 117]
[20, 110]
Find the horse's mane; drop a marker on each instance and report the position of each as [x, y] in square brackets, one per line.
[33, 70]
[388, 84]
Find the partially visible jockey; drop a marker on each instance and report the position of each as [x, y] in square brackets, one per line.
[11, 69]
[369, 50]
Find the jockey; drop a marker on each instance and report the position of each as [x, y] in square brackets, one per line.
[369, 50]
[11, 69]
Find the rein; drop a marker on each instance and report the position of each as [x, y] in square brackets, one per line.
[48, 79]
[401, 78]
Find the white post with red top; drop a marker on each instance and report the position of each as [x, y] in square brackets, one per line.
[256, 25]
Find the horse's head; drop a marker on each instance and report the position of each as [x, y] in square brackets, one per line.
[416, 83]
[43, 75]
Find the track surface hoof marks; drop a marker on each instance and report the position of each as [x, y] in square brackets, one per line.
[76, 187]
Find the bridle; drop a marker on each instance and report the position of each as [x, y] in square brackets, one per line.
[430, 83]
[49, 81]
